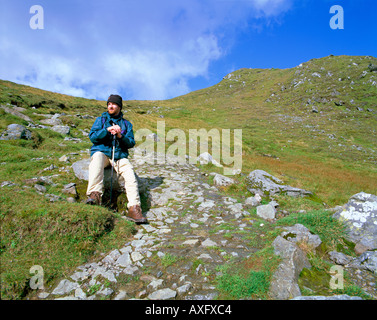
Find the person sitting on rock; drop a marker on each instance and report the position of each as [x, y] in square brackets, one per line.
[101, 134]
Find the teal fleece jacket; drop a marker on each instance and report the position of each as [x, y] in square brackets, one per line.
[103, 140]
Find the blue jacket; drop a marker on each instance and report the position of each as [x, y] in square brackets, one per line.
[103, 140]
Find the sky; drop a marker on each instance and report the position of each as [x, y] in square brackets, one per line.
[161, 49]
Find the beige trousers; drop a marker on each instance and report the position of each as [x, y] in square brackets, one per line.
[98, 162]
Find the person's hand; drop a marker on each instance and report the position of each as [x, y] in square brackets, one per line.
[115, 130]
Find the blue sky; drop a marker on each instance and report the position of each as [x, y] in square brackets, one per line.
[149, 50]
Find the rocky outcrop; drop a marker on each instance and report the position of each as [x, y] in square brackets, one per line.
[335, 297]
[262, 183]
[360, 217]
[16, 111]
[15, 132]
[284, 282]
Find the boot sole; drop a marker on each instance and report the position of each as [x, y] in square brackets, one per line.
[137, 221]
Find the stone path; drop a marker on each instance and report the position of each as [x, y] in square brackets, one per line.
[177, 254]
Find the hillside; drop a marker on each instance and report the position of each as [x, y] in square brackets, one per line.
[312, 126]
[315, 122]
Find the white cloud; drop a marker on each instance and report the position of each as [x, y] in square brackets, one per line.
[272, 7]
[144, 49]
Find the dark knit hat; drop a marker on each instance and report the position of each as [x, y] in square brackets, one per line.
[114, 98]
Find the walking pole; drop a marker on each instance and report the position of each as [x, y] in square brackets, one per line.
[112, 169]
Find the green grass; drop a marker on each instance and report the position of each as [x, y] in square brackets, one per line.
[168, 260]
[320, 222]
[57, 236]
[249, 279]
[238, 287]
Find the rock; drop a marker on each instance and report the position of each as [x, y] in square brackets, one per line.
[81, 171]
[71, 200]
[64, 287]
[156, 283]
[209, 243]
[61, 129]
[109, 275]
[360, 217]
[80, 275]
[260, 182]
[64, 158]
[368, 261]
[43, 295]
[7, 184]
[16, 132]
[16, 111]
[191, 242]
[208, 204]
[53, 197]
[206, 158]
[220, 180]
[299, 233]
[121, 295]
[136, 256]
[124, 260]
[372, 67]
[80, 294]
[185, 288]
[252, 202]
[112, 257]
[70, 188]
[340, 258]
[50, 168]
[106, 291]
[336, 297]
[54, 121]
[284, 281]
[163, 294]
[40, 188]
[266, 212]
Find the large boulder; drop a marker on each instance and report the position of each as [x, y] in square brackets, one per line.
[263, 183]
[284, 284]
[284, 281]
[360, 217]
[220, 180]
[61, 129]
[16, 111]
[300, 233]
[15, 132]
[81, 170]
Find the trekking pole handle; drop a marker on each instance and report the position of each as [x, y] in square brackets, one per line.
[114, 136]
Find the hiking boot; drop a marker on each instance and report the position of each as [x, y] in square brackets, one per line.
[94, 198]
[135, 214]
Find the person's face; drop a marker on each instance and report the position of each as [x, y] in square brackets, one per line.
[113, 109]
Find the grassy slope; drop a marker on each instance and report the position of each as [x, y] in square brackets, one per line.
[332, 153]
